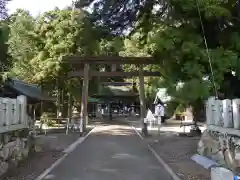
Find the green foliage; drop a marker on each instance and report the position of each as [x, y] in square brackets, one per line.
[4, 31]
[179, 110]
[22, 44]
[170, 32]
[41, 43]
[176, 41]
[111, 46]
[44, 119]
[37, 46]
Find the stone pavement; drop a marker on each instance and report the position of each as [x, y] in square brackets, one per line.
[111, 152]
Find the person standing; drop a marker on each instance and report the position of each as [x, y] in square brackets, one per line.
[159, 113]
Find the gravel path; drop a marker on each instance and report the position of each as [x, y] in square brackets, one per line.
[111, 152]
[34, 166]
[176, 152]
[50, 147]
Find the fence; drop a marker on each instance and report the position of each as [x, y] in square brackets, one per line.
[13, 114]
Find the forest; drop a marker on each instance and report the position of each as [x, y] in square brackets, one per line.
[196, 44]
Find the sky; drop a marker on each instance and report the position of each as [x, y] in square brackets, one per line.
[37, 6]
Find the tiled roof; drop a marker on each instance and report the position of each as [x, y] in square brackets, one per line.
[111, 91]
[29, 90]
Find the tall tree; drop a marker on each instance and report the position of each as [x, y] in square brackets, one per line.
[41, 43]
[22, 44]
[177, 41]
[4, 59]
[3, 36]
[121, 16]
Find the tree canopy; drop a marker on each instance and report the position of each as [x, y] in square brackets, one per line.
[195, 42]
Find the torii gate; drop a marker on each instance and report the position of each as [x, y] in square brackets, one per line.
[110, 60]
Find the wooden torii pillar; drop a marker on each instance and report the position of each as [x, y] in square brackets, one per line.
[84, 103]
[116, 60]
[142, 100]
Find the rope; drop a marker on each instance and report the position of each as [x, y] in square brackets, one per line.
[207, 50]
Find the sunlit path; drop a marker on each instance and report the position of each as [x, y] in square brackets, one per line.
[111, 152]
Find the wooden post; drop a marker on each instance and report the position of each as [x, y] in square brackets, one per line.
[58, 98]
[41, 108]
[69, 112]
[83, 113]
[62, 102]
[70, 105]
[34, 120]
[142, 100]
[114, 67]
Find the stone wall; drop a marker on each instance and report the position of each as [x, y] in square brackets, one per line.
[221, 141]
[223, 150]
[15, 146]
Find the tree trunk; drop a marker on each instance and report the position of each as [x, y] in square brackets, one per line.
[197, 108]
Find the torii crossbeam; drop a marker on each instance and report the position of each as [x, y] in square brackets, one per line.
[113, 60]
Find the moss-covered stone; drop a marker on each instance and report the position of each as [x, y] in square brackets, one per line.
[15, 147]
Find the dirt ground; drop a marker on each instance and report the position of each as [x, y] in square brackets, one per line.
[50, 147]
[176, 152]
